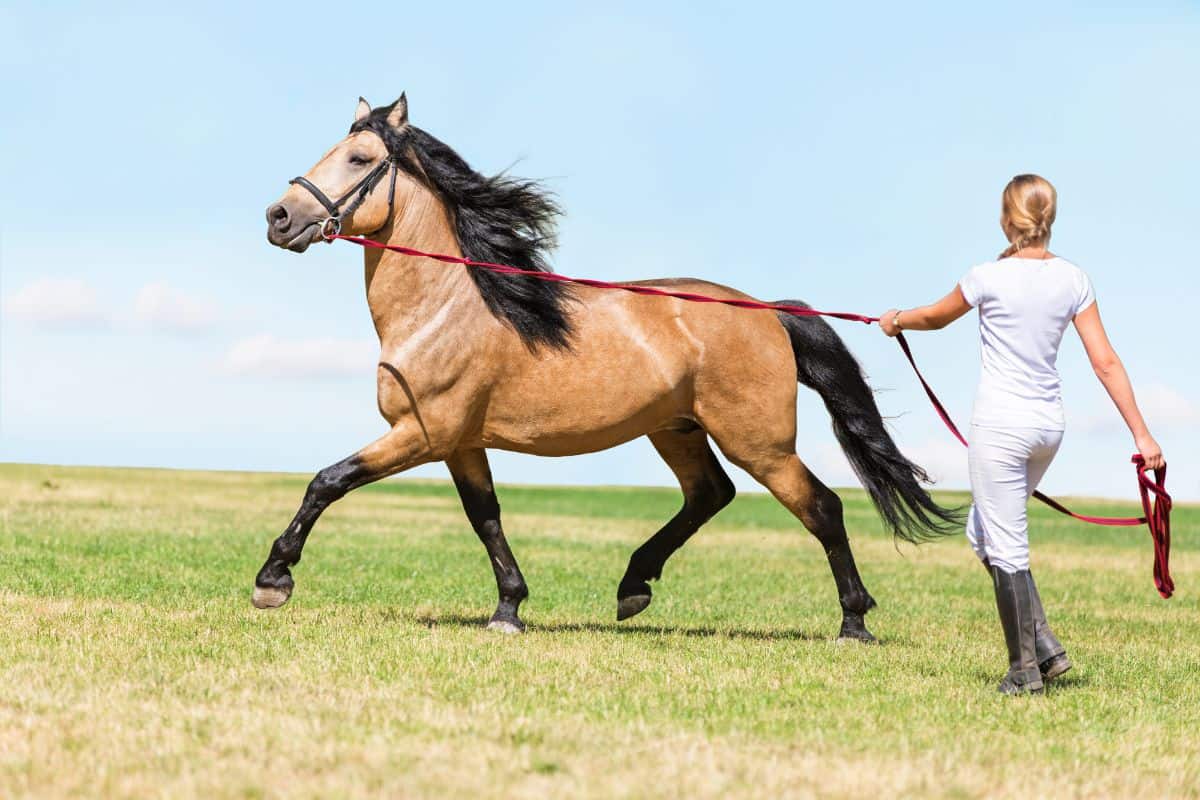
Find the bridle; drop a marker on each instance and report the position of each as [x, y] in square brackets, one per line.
[332, 225]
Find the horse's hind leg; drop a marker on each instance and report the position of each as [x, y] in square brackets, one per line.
[473, 479]
[820, 510]
[706, 490]
[397, 450]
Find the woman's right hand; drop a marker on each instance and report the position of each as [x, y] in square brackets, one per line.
[887, 322]
[1150, 451]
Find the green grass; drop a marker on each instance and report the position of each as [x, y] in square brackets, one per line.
[131, 662]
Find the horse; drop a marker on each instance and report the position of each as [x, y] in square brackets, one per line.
[472, 360]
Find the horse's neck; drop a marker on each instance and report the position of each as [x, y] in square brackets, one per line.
[405, 293]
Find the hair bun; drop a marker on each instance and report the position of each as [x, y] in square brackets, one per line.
[1029, 206]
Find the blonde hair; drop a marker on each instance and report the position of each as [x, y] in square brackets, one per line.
[1028, 207]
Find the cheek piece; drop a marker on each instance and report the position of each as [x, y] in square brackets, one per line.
[354, 197]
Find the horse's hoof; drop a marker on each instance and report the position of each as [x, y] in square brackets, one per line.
[506, 626]
[269, 597]
[631, 606]
[861, 635]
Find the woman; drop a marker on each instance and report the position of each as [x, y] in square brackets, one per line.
[1025, 300]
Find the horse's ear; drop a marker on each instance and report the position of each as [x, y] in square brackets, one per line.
[363, 109]
[399, 113]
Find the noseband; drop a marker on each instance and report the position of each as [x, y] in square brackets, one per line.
[332, 225]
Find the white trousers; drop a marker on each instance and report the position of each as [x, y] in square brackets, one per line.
[1006, 465]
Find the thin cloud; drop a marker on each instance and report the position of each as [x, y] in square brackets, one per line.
[1162, 406]
[267, 355]
[944, 460]
[59, 302]
[163, 307]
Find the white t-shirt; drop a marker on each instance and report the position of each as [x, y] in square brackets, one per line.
[1024, 306]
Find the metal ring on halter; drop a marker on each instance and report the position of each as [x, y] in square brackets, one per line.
[326, 233]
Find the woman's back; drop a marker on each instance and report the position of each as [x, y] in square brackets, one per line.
[1024, 306]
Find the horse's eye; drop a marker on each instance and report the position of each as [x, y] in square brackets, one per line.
[358, 160]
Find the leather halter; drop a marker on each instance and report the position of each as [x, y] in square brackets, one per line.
[360, 191]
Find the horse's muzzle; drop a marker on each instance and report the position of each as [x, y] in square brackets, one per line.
[285, 230]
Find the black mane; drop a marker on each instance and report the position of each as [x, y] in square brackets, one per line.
[500, 219]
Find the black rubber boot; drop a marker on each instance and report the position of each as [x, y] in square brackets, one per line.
[1051, 655]
[1014, 601]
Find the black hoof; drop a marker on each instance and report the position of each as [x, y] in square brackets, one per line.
[631, 606]
[855, 630]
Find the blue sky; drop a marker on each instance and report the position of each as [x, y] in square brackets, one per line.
[849, 155]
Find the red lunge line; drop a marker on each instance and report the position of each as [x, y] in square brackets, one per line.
[553, 277]
[1157, 508]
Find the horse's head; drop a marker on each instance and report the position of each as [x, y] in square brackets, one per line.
[350, 190]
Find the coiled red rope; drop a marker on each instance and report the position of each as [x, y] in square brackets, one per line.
[1156, 503]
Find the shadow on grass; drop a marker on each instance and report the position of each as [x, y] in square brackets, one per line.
[467, 621]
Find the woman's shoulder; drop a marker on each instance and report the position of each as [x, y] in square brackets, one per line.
[1053, 262]
[1070, 267]
[983, 269]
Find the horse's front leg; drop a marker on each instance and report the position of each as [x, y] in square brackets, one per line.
[402, 447]
[474, 481]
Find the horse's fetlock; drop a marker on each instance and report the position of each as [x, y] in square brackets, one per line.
[275, 575]
[513, 587]
[857, 602]
[284, 553]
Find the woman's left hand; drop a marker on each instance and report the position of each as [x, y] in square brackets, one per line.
[887, 322]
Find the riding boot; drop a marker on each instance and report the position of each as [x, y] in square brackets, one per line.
[1051, 655]
[1014, 601]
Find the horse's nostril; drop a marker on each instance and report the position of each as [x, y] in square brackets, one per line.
[277, 216]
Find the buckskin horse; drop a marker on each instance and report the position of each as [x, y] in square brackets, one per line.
[472, 360]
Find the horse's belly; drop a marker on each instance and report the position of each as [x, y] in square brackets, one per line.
[568, 419]
[551, 439]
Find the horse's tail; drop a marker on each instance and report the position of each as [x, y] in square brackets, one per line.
[894, 483]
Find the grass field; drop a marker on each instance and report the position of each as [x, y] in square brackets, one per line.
[132, 664]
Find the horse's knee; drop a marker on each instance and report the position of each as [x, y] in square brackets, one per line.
[325, 487]
[333, 482]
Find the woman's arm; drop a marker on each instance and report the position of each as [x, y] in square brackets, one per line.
[1111, 372]
[926, 318]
